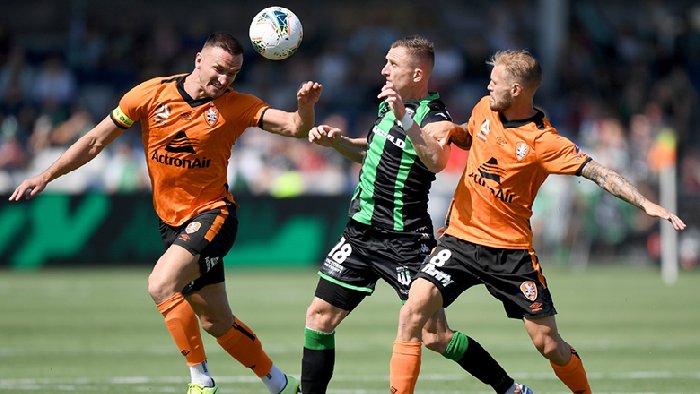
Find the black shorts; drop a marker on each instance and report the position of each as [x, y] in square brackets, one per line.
[209, 235]
[366, 254]
[513, 276]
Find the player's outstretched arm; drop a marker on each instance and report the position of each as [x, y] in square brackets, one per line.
[620, 187]
[295, 124]
[354, 149]
[81, 152]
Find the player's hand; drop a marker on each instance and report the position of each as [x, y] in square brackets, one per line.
[393, 98]
[439, 130]
[29, 188]
[660, 212]
[460, 137]
[324, 135]
[309, 93]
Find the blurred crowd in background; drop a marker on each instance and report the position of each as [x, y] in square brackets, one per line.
[618, 75]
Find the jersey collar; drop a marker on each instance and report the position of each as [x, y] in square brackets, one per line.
[537, 119]
[180, 83]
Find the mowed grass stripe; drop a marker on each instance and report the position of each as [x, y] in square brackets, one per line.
[635, 334]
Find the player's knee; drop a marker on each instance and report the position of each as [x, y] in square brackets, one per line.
[434, 343]
[410, 316]
[324, 318]
[158, 289]
[550, 347]
[216, 326]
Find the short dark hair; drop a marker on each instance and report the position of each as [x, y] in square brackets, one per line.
[225, 41]
[417, 46]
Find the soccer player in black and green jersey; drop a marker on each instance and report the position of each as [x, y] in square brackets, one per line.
[390, 231]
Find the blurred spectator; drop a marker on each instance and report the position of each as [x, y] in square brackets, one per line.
[54, 82]
[625, 71]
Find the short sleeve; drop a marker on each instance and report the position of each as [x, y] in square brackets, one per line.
[131, 107]
[558, 155]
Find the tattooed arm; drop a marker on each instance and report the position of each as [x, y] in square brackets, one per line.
[615, 184]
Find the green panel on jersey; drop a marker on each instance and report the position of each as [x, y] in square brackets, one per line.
[404, 171]
[406, 162]
[369, 171]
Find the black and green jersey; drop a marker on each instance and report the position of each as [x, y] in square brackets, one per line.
[393, 189]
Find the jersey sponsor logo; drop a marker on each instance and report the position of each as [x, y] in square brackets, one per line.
[180, 144]
[193, 227]
[490, 170]
[489, 176]
[164, 158]
[529, 290]
[394, 140]
[521, 150]
[211, 115]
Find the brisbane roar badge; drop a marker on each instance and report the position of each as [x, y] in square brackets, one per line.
[529, 289]
[193, 227]
[521, 150]
[211, 115]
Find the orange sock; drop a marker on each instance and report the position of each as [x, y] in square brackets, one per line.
[242, 343]
[404, 367]
[184, 328]
[573, 374]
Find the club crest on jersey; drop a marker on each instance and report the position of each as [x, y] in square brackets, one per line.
[211, 115]
[529, 289]
[193, 227]
[521, 150]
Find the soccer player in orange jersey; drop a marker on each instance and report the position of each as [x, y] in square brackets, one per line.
[488, 238]
[389, 231]
[189, 123]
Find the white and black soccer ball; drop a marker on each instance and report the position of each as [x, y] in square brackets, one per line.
[276, 33]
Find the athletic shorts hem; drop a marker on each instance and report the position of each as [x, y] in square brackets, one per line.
[343, 284]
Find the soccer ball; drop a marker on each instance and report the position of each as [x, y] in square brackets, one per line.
[275, 33]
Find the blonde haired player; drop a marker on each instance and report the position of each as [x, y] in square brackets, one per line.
[488, 239]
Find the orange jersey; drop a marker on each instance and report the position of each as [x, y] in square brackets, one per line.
[187, 142]
[493, 201]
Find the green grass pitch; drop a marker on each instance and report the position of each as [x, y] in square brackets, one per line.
[97, 331]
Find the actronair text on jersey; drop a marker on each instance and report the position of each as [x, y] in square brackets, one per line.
[181, 163]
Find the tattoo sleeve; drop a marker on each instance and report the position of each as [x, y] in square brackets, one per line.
[613, 183]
